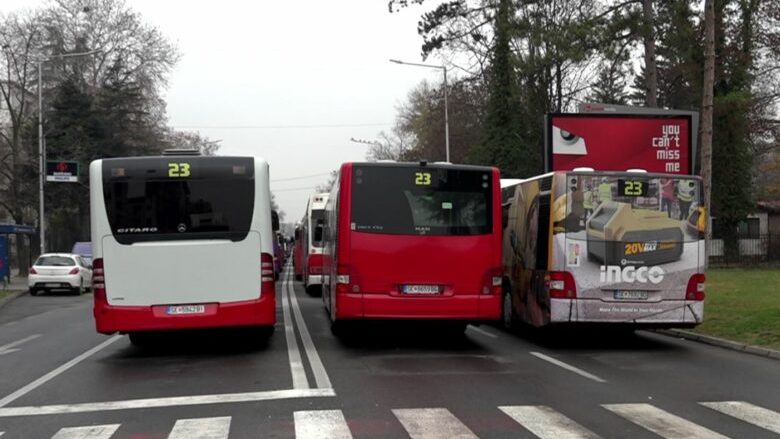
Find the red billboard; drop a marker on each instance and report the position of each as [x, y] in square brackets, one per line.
[617, 142]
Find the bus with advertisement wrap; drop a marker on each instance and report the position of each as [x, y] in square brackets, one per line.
[181, 242]
[604, 247]
[311, 245]
[413, 241]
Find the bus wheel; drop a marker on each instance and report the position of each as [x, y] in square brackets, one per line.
[314, 290]
[508, 314]
[337, 328]
[299, 277]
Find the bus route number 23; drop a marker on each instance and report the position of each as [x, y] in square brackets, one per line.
[422, 178]
[178, 170]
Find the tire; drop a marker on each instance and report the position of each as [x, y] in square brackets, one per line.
[508, 314]
[33, 291]
[314, 290]
[79, 290]
[299, 277]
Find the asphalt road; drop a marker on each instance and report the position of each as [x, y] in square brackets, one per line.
[60, 379]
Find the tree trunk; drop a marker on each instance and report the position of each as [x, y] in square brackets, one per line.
[707, 107]
[651, 73]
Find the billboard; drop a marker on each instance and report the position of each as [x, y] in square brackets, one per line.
[655, 142]
[62, 171]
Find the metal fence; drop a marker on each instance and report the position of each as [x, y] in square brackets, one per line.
[751, 250]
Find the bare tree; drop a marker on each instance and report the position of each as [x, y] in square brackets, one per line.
[391, 146]
[193, 140]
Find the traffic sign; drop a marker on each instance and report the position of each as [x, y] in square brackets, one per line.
[62, 171]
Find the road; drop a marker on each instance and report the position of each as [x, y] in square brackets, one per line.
[59, 379]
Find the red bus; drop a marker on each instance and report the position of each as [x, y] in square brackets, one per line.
[298, 253]
[413, 241]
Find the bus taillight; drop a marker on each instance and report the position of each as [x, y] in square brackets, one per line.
[561, 285]
[99, 283]
[342, 279]
[266, 272]
[695, 290]
[493, 282]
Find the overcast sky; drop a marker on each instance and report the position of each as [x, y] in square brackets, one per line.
[290, 81]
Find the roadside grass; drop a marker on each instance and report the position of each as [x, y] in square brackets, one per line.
[4, 293]
[743, 306]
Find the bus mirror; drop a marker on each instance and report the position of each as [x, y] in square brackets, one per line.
[274, 221]
[318, 232]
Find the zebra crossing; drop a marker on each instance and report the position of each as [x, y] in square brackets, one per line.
[439, 423]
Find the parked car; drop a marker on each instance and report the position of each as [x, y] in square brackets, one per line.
[57, 271]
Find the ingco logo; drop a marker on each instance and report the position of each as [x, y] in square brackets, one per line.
[631, 274]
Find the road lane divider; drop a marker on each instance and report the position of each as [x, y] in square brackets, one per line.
[318, 369]
[321, 424]
[432, 423]
[293, 352]
[481, 331]
[54, 373]
[661, 422]
[12, 347]
[201, 428]
[546, 423]
[752, 414]
[568, 367]
[91, 432]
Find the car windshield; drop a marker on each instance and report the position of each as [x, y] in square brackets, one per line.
[55, 261]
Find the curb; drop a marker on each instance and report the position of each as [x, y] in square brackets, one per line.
[14, 294]
[720, 342]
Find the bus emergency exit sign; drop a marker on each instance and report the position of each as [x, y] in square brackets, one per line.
[62, 171]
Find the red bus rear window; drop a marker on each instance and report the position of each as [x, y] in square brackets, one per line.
[421, 200]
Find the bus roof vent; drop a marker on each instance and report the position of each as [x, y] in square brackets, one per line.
[181, 152]
[442, 163]
[637, 170]
[583, 169]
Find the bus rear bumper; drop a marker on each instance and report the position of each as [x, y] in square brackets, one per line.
[471, 307]
[667, 313]
[110, 319]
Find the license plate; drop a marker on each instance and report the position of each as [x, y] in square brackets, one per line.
[420, 289]
[186, 309]
[631, 295]
[52, 285]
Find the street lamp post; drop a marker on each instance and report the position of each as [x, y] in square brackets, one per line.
[446, 115]
[41, 149]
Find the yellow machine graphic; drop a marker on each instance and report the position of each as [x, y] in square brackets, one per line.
[618, 234]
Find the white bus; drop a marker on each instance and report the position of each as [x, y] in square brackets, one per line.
[312, 228]
[181, 242]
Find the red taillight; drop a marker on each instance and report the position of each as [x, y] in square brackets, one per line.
[74, 271]
[561, 285]
[695, 290]
[32, 270]
[493, 281]
[342, 279]
[99, 283]
[267, 272]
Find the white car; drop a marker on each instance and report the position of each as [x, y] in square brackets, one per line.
[53, 271]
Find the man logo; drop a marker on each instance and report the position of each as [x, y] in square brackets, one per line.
[631, 274]
[182, 228]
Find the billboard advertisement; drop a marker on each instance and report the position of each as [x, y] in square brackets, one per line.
[62, 171]
[616, 142]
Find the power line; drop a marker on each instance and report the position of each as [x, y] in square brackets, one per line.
[300, 178]
[281, 127]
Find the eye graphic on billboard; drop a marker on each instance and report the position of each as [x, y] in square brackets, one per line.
[617, 142]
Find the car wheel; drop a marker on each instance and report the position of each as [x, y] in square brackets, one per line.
[33, 292]
[79, 290]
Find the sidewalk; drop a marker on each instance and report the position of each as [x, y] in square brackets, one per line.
[17, 284]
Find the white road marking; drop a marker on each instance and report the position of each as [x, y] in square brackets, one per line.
[568, 367]
[661, 422]
[201, 428]
[44, 379]
[547, 423]
[293, 353]
[320, 375]
[93, 432]
[10, 347]
[764, 418]
[321, 424]
[174, 401]
[435, 423]
[482, 331]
